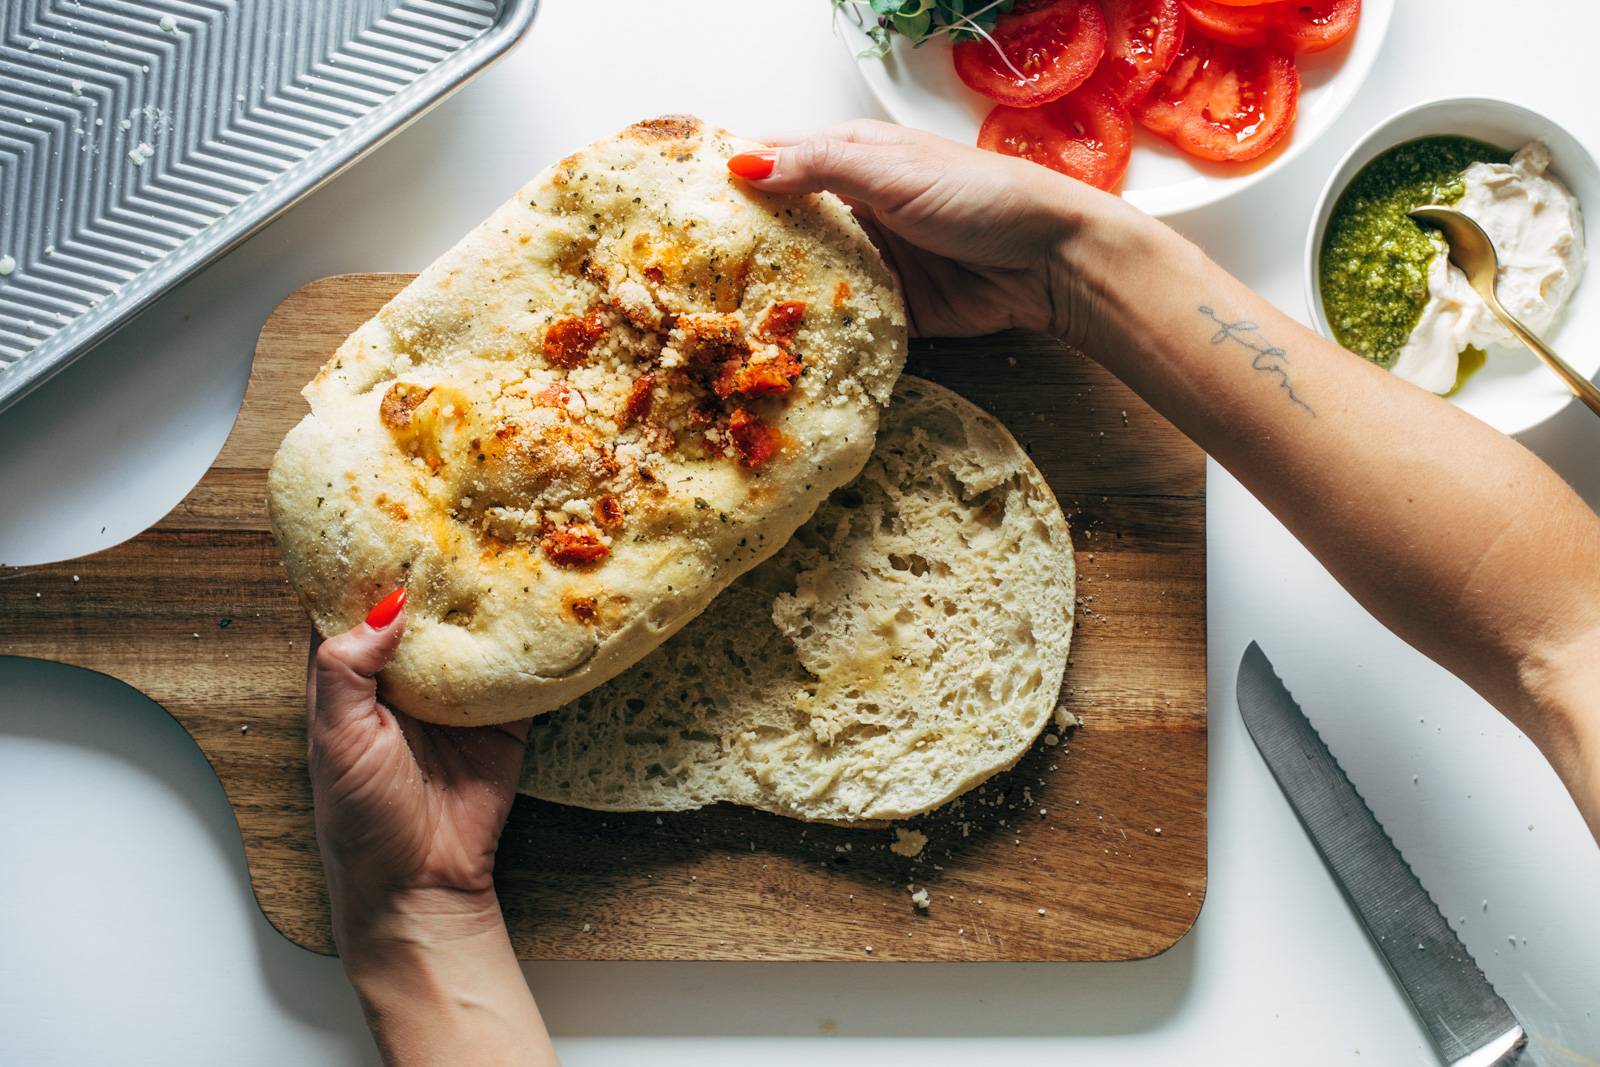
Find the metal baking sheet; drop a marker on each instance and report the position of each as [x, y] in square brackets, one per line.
[141, 140]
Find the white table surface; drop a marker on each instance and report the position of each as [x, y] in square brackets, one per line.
[128, 933]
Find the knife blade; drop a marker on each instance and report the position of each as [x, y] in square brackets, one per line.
[1469, 1023]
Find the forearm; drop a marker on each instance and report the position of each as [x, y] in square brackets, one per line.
[1454, 536]
[444, 990]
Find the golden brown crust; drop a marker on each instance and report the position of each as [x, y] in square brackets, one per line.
[665, 128]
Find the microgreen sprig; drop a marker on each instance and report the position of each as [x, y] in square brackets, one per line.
[920, 21]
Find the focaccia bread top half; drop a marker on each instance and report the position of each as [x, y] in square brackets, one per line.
[626, 387]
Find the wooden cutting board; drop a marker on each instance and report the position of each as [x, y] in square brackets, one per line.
[1091, 849]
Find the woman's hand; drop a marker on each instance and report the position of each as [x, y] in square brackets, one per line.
[1399, 494]
[976, 238]
[408, 813]
[408, 816]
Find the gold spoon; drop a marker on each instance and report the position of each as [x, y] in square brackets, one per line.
[1473, 251]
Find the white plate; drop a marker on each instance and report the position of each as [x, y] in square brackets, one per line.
[918, 87]
[1513, 392]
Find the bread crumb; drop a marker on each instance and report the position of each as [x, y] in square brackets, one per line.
[1041, 911]
[920, 899]
[587, 927]
[908, 843]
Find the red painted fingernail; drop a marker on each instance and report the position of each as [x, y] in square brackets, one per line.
[387, 610]
[753, 166]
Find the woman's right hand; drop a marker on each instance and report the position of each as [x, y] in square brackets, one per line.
[1400, 495]
[975, 237]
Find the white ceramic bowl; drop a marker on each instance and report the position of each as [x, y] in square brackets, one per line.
[918, 87]
[1514, 392]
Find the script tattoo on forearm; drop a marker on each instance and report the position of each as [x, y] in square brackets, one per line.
[1266, 357]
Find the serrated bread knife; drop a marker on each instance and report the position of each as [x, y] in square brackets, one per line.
[1469, 1023]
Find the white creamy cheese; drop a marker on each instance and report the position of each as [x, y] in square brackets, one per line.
[1537, 228]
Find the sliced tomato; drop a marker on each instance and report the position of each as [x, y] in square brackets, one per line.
[1142, 40]
[1050, 48]
[1087, 135]
[1295, 26]
[1223, 103]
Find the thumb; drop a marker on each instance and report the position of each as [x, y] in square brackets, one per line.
[344, 673]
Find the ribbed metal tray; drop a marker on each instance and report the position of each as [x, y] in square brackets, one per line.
[141, 140]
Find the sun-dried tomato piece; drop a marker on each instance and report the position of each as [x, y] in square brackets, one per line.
[771, 375]
[641, 397]
[754, 440]
[783, 319]
[608, 512]
[575, 545]
[727, 379]
[568, 342]
[558, 395]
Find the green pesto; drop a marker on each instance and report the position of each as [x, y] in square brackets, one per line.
[1471, 362]
[1374, 263]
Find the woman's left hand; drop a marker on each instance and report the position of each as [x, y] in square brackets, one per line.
[408, 818]
[408, 813]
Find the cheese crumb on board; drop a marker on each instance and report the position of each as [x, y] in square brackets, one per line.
[908, 843]
[920, 900]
